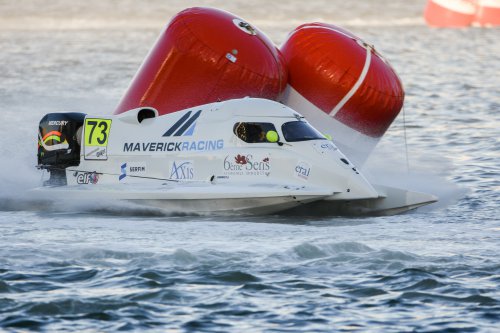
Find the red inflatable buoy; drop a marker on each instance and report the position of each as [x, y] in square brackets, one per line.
[450, 13]
[205, 55]
[341, 85]
[488, 13]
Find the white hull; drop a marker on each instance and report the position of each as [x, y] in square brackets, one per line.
[391, 201]
[195, 198]
[246, 199]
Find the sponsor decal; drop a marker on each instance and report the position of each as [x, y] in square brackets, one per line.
[96, 135]
[184, 126]
[123, 170]
[231, 57]
[58, 122]
[302, 170]
[202, 145]
[182, 170]
[137, 169]
[86, 177]
[97, 154]
[325, 147]
[52, 141]
[247, 165]
[131, 169]
[328, 146]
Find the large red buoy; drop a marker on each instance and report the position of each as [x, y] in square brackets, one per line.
[205, 55]
[342, 86]
[450, 13]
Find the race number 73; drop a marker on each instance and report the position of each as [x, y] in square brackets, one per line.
[97, 131]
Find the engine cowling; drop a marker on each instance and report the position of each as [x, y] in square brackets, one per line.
[59, 143]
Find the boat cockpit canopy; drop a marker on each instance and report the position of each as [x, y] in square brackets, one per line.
[294, 131]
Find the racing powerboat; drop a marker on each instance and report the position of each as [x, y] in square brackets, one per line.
[240, 156]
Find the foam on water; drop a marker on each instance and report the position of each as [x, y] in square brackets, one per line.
[112, 266]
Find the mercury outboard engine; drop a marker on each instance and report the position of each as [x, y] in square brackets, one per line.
[59, 141]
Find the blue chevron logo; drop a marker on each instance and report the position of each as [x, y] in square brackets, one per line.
[184, 126]
[124, 171]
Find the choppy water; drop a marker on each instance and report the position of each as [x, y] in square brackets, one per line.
[100, 268]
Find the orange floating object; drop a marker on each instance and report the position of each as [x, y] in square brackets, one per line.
[488, 13]
[450, 13]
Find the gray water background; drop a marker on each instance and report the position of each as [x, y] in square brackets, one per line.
[101, 267]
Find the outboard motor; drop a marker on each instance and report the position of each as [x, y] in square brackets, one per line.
[59, 142]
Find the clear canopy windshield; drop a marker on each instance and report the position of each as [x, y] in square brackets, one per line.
[300, 131]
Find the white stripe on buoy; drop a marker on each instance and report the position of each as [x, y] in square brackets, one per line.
[358, 83]
[364, 72]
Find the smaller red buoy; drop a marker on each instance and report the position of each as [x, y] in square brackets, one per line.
[488, 13]
[450, 13]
